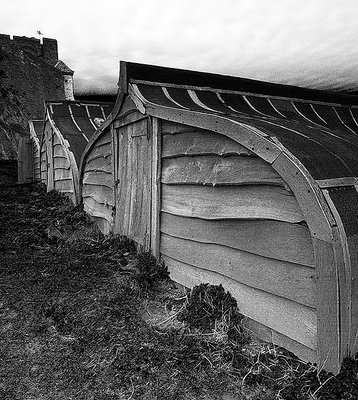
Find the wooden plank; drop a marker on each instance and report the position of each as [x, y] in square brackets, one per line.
[145, 196]
[274, 239]
[243, 202]
[61, 162]
[290, 281]
[130, 118]
[126, 181]
[112, 172]
[99, 163]
[344, 276]
[200, 143]
[50, 154]
[118, 144]
[308, 195]
[284, 316]
[104, 140]
[337, 182]
[216, 170]
[269, 335]
[95, 209]
[56, 140]
[98, 178]
[121, 181]
[353, 252]
[172, 128]
[147, 173]
[156, 188]
[62, 174]
[102, 151]
[136, 191]
[102, 194]
[140, 200]
[59, 151]
[132, 190]
[327, 307]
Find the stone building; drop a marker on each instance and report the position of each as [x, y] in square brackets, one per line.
[30, 73]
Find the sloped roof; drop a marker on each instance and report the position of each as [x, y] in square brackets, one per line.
[319, 128]
[77, 121]
[64, 68]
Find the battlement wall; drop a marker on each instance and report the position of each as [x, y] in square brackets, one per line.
[47, 50]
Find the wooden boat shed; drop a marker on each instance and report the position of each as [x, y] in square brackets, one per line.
[67, 128]
[247, 184]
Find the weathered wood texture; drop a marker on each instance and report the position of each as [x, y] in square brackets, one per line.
[353, 251]
[156, 188]
[58, 166]
[43, 163]
[25, 161]
[228, 217]
[49, 135]
[272, 336]
[133, 182]
[97, 183]
[46, 150]
[192, 141]
[287, 317]
[35, 135]
[231, 202]
[287, 280]
[216, 171]
[272, 239]
[328, 315]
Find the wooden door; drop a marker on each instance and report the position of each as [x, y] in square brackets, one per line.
[133, 171]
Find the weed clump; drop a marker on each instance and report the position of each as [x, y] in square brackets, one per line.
[146, 270]
[209, 308]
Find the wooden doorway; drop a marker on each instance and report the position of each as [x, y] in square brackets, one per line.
[133, 175]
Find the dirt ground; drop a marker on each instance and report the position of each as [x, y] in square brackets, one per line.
[82, 316]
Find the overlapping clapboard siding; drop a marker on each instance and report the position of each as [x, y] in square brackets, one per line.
[36, 136]
[63, 179]
[97, 183]
[43, 163]
[37, 161]
[228, 217]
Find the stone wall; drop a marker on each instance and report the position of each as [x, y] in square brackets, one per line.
[28, 77]
[27, 70]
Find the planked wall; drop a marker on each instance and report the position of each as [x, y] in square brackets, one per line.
[35, 150]
[55, 163]
[63, 181]
[133, 178]
[43, 159]
[227, 217]
[37, 161]
[97, 183]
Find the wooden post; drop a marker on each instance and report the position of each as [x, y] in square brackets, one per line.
[156, 197]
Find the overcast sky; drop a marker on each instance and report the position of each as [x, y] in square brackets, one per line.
[311, 43]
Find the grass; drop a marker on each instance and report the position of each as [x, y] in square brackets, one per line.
[84, 316]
